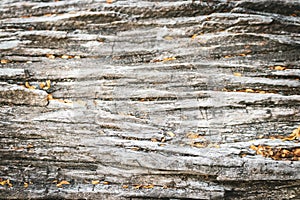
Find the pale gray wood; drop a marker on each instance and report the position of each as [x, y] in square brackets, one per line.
[122, 112]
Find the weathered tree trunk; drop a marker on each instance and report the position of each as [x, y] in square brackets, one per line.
[149, 99]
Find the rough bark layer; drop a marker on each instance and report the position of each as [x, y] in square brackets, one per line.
[149, 100]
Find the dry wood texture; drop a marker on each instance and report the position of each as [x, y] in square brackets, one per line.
[149, 99]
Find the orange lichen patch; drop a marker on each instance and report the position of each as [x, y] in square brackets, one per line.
[198, 144]
[66, 57]
[141, 186]
[138, 186]
[49, 97]
[164, 59]
[135, 148]
[296, 152]
[4, 61]
[150, 186]
[168, 38]
[241, 54]
[249, 90]
[60, 184]
[48, 14]
[194, 36]
[42, 85]
[263, 43]
[243, 155]
[294, 135]
[26, 185]
[27, 85]
[213, 145]
[192, 135]
[6, 182]
[65, 101]
[47, 85]
[277, 153]
[237, 74]
[281, 153]
[50, 56]
[278, 68]
[95, 182]
[225, 90]
[26, 16]
[171, 134]
[169, 59]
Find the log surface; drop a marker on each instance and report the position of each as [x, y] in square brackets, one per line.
[148, 99]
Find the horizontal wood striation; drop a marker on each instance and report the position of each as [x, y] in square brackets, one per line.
[150, 99]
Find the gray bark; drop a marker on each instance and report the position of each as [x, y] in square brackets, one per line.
[154, 100]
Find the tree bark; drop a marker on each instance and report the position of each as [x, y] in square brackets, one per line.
[149, 99]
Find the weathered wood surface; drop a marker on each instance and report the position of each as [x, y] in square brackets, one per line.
[155, 99]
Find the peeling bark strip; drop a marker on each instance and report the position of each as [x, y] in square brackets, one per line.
[149, 100]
